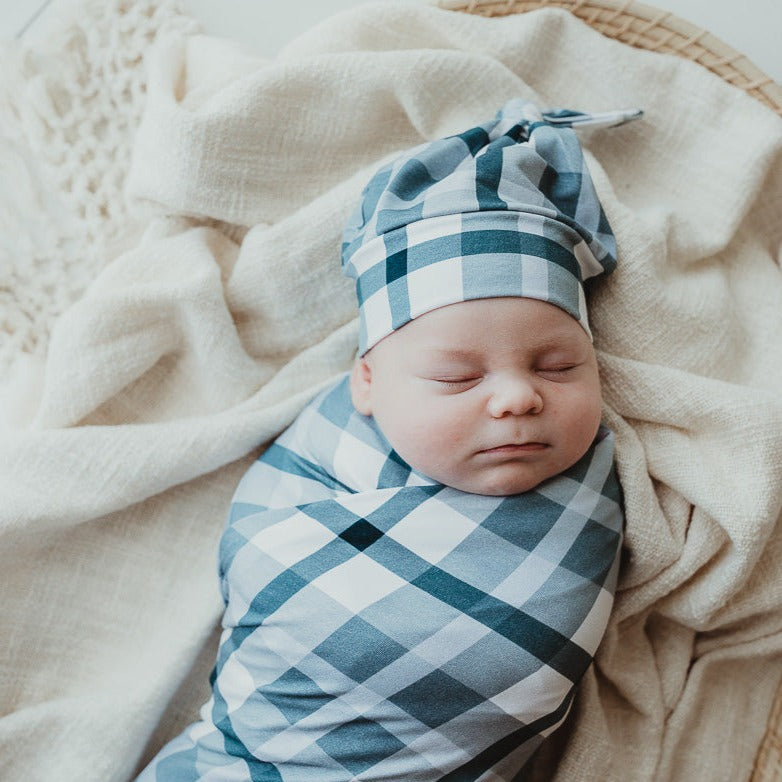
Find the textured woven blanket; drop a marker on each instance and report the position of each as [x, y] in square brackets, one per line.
[382, 626]
[170, 299]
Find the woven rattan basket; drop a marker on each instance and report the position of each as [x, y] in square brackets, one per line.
[650, 28]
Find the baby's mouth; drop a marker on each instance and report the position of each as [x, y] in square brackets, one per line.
[511, 448]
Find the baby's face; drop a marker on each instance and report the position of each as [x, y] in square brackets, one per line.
[491, 396]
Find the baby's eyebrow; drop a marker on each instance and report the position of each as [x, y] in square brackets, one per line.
[453, 354]
[547, 347]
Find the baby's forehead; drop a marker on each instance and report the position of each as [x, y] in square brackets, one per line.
[472, 329]
[472, 350]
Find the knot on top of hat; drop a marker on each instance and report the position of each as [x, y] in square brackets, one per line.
[506, 208]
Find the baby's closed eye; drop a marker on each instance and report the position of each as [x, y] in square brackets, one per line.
[456, 382]
[557, 371]
[463, 379]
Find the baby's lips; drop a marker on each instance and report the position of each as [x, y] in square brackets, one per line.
[528, 446]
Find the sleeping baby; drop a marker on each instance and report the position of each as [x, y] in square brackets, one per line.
[419, 570]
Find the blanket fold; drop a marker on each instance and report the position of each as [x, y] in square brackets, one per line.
[225, 312]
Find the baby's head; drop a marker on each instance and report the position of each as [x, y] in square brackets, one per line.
[470, 254]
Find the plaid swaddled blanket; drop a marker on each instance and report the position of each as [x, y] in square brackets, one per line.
[381, 626]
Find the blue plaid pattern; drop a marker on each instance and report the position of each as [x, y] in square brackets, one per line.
[507, 208]
[380, 626]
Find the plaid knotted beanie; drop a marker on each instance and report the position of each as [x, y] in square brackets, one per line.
[507, 208]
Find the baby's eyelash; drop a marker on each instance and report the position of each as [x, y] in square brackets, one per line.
[455, 381]
[559, 371]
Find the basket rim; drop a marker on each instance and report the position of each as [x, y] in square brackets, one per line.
[647, 27]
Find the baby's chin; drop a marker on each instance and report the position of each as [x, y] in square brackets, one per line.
[502, 482]
[500, 488]
[509, 477]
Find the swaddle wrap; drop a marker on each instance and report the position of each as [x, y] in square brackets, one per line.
[380, 626]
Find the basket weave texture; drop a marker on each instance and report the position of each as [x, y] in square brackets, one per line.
[646, 27]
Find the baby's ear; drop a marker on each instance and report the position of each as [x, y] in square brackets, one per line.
[360, 382]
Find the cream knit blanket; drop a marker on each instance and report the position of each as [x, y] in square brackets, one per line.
[215, 309]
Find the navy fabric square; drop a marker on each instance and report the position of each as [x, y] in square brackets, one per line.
[278, 591]
[358, 754]
[396, 266]
[562, 188]
[527, 533]
[295, 695]
[584, 556]
[359, 649]
[491, 242]
[395, 472]
[436, 698]
[361, 535]
[450, 590]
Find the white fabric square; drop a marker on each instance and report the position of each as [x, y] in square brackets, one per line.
[534, 276]
[311, 616]
[429, 534]
[440, 197]
[358, 583]
[264, 569]
[537, 694]
[235, 772]
[293, 539]
[357, 460]
[433, 746]
[376, 312]
[583, 315]
[525, 581]
[257, 475]
[537, 223]
[360, 698]
[237, 683]
[368, 255]
[286, 744]
[558, 540]
[291, 490]
[589, 635]
[203, 728]
[364, 505]
[433, 228]
[444, 278]
[451, 640]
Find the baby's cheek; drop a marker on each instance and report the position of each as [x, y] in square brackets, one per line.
[430, 439]
[585, 422]
[443, 426]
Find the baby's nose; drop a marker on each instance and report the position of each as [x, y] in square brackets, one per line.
[515, 396]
